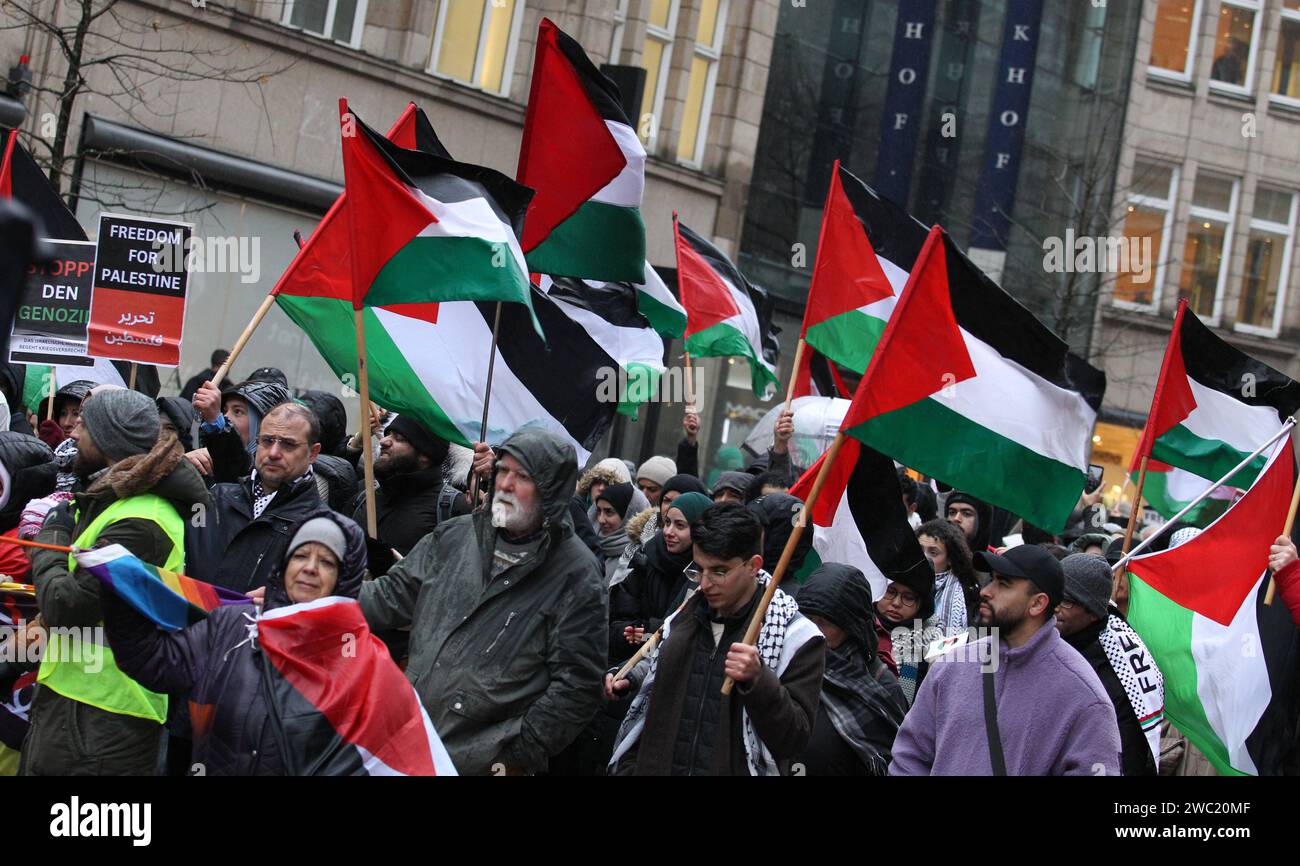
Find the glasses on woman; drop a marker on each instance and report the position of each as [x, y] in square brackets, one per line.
[906, 596]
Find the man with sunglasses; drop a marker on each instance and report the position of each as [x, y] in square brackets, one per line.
[679, 722]
[241, 538]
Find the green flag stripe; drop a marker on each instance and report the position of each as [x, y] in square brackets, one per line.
[723, 340]
[599, 242]
[1166, 629]
[1208, 458]
[666, 321]
[433, 269]
[394, 385]
[931, 438]
[848, 339]
[1155, 492]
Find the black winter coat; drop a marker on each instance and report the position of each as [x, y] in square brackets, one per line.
[233, 550]
[1136, 758]
[646, 597]
[406, 507]
[30, 465]
[214, 661]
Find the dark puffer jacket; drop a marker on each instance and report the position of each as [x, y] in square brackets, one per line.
[29, 464]
[509, 667]
[231, 549]
[336, 481]
[221, 668]
[406, 507]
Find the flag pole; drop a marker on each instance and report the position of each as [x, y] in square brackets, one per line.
[1285, 431]
[130, 384]
[756, 623]
[1286, 530]
[650, 643]
[691, 408]
[487, 400]
[367, 451]
[1121, 587]
[794, 375]
[49, 411]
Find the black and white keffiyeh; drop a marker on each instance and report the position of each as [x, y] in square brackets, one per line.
[1137, 672]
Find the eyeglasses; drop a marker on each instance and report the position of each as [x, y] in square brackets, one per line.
[716, 575]
[893, 594]
[269, 442]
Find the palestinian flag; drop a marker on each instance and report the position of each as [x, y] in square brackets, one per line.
[726, 314]
[966, 386]
[587, 165]
[426, 229]
[430, 361]
[609, 313]
[22, 179]
[1169, 490]
[657, 304]
[1229, 661]
[851, 296]
[172, 601]
[341, 706]
[859, 518]
[1213, 406]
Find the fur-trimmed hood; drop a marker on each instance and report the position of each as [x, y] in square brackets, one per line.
[163, 470]
[598, 473]
[636, 526]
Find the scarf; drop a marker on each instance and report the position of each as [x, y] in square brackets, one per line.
[909, 651]
[949, 604]
[782, 634]
[1142, 680]
[854, 699]
[262, 497]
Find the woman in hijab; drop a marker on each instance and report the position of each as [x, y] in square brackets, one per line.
[861, 705]
[656, 583]
[615, 505]
[217, 660]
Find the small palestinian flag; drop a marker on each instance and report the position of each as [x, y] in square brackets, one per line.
[426, 229]
[608, 313]
[22, 179]
[171, 601]
[1229, 661]
[966, 386]
[587, 166]
[859, 518]
[851, 297]
[726, 314]
[343, 708]
[1213, 406]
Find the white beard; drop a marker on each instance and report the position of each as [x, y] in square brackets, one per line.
[507, 515]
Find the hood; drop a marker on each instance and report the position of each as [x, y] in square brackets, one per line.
[29, 473]
[77, 390]
[181, 413]
[351, 570]
[598, 473]
[262, 397]
[332, 415]
[163, 470]
[733, 480]
[841, 594]
[984, 515]
[340, 478]
[776, 512]
[637, 524]
[552, 463]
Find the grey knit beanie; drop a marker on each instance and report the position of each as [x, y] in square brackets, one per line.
[321, 530]
[1088, 582]
[121, 423]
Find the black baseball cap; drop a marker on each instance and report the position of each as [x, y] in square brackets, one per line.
[1029, 562]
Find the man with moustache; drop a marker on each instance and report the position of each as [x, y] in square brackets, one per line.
[1020, 702]
[508, 616]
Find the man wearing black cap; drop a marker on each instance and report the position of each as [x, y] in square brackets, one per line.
[1093, 626]
[1018, 702]
[412, 497]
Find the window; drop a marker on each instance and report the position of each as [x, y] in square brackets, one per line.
[474, 42]
[1177, 26]
[660, 25]
[1209, 238]
[1268, 262]
[1286, 71]
[340, 20]
[704, 78]
[1234, 46]
[1147, 222]
[620, 25]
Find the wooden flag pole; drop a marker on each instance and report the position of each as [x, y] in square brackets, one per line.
[691, 408]
[650, 643]
[487, 400]
[367, 451]
[755, 624]
[131, 379]
[1286, 530]
[1121, 586]
[49, 411]
[794, 375]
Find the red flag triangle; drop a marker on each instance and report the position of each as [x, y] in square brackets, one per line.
[704, 295]
[1173, 400]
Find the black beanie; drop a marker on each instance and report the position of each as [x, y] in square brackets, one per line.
[619, 496]
[420, 438]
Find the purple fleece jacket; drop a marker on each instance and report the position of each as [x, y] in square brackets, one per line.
[1054, 715]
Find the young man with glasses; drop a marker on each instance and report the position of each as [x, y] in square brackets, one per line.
[679, 722]
[241, 537]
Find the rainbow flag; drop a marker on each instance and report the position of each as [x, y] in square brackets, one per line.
[171, 600]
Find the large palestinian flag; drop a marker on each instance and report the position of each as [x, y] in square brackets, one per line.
[1229, 661]
[609, 313]
[968, 387]
[859, 518]
[427, 229]
[726, 314]
[22, 179]
[342, 707]
[1213, 406]
[587, 165]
